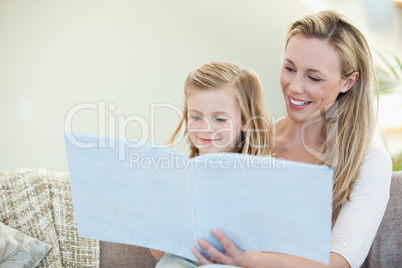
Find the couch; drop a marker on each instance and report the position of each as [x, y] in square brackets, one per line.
[48, 217]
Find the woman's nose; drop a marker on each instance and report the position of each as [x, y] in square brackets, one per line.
[296, 85]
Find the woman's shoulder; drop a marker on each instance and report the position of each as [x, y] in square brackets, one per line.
[377, 152]
[377, 163]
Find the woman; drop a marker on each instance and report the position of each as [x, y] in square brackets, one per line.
[329, 84]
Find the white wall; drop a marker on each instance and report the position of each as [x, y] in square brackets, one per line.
[379, 20]
[57, 54]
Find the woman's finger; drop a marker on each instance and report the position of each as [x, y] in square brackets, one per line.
[202, 260]
[226, 243]
[235, 253]
[215, 255]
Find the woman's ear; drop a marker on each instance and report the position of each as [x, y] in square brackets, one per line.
[350, 81]
[244, 127]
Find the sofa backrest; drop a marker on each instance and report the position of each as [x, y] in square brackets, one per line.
[386, 250]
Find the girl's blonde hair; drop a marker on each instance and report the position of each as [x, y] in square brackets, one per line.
[259, 138]
[350, 122]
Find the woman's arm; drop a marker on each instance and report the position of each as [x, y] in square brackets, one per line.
[359, 218]
[263, 259]
[157, 254]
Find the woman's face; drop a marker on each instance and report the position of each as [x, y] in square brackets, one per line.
[214, 120]
[310, 77]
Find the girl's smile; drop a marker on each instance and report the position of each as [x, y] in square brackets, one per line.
[208, 140]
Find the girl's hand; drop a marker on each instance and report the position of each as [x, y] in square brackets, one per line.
[232, 255]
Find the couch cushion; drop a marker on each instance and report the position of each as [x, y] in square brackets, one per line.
[386, 249]
[125, 256]
[25, 205]
[75, 251]
[17, 248]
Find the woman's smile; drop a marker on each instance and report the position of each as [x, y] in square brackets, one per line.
[296, 103]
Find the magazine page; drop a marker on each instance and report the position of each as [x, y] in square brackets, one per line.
[140, 196]
[264, 204]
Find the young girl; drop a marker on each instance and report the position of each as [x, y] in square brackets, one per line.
[224, 111]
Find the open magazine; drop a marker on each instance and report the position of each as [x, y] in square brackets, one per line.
[133, 193]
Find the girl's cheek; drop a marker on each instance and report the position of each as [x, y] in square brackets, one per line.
[192, 124]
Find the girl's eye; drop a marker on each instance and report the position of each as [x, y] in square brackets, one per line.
[315, 79]
[196, 117]
[220, 119]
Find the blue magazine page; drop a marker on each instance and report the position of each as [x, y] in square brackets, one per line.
[264, 204]
[131, 195]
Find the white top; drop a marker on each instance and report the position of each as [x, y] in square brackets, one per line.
[359, 218]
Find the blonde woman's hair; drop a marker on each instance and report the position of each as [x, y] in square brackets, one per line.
[350, 122]
[258, 139]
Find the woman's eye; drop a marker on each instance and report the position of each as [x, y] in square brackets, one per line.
[289, 69]
[315, 79]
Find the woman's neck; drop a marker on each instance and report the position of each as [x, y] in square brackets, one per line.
[299, 141]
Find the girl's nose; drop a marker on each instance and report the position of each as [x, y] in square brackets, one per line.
[206, 125]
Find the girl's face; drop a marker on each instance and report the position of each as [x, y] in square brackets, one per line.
[311, 77]
[214, 120]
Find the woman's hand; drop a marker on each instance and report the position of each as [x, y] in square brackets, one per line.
[232, 255]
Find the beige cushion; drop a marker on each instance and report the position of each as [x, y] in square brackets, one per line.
[75, 251]
[39, 204]
[25, 205]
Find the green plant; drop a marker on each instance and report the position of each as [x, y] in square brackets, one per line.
[397, 162]
[389, 74]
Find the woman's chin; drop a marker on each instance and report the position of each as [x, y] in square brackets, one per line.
[305, 116]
